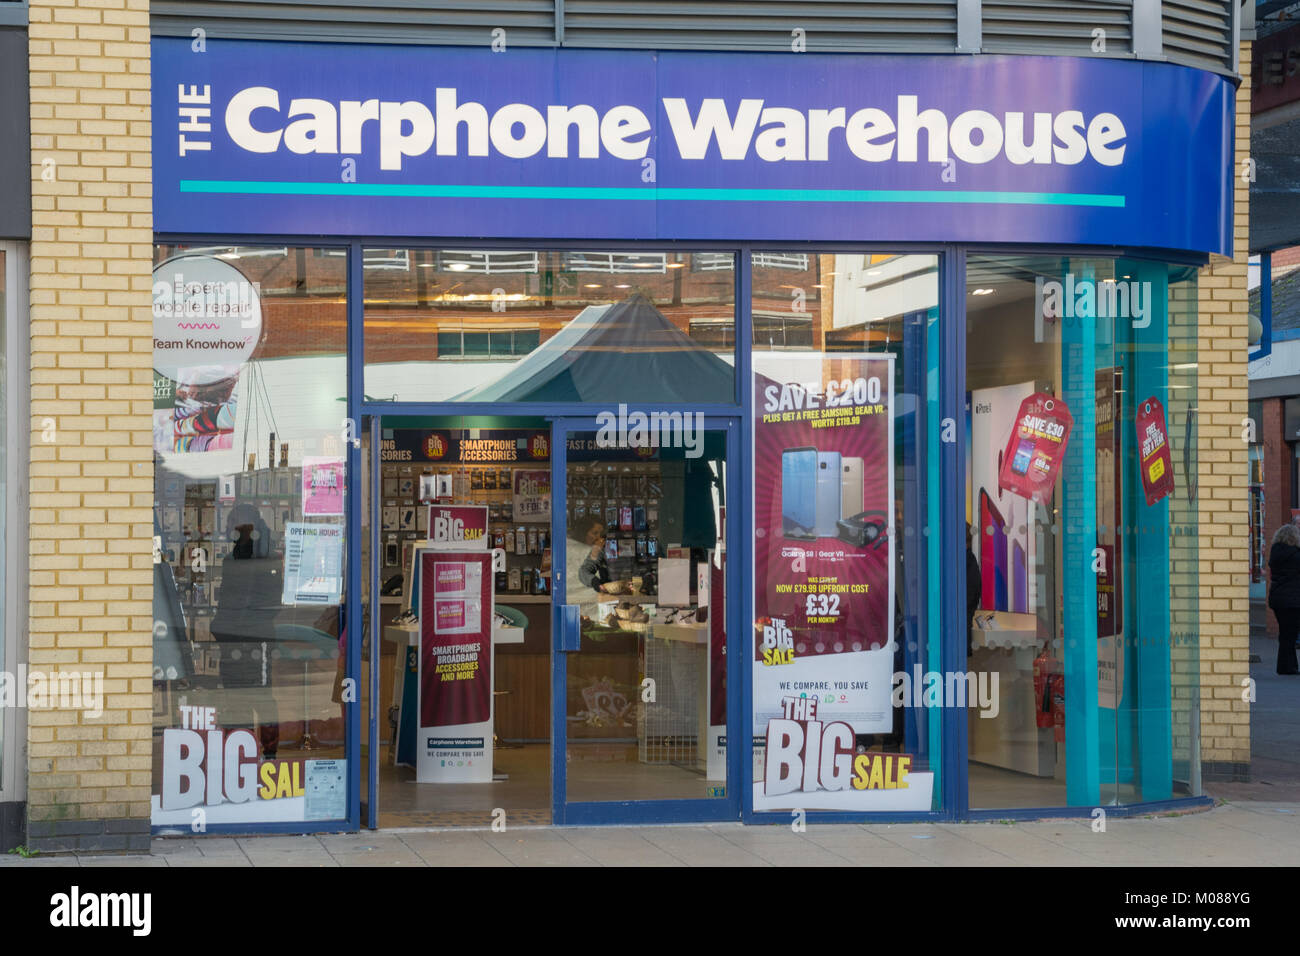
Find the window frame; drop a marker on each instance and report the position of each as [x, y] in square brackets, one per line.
[17, 395]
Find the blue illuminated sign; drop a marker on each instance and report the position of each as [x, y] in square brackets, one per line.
[401, 141]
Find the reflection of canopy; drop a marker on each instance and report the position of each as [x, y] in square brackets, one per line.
[627, 351]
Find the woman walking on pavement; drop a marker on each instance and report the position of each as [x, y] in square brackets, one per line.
[1284, 594]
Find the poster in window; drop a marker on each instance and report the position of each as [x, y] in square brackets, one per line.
[322, 486]
[1035, 449]
[531, 498]
[455, 667]
[824, 581]
[1153, 451]
[313, 563]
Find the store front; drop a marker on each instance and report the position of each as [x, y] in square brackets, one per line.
[737, 435]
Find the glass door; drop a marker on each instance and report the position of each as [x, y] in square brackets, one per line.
[643, 617]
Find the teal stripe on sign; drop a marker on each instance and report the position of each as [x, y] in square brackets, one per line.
[650, 194]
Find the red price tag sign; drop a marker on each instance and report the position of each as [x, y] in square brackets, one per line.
[1153, 450]
[1032, 459]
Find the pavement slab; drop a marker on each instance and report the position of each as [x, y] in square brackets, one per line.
[1249, 833]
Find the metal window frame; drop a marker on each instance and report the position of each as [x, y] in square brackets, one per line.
[13, 13]
[16, 398]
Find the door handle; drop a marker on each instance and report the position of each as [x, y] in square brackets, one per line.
[568, 625]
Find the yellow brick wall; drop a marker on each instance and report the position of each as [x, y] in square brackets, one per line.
[1224, 531]
[91, 462]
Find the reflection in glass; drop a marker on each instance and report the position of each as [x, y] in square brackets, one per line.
[646, 705]
[490, 325]
[1087, 606]
[872, 305]
[248, 519]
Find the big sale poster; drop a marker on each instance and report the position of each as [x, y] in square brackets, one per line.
[455, 669]
[823, 536]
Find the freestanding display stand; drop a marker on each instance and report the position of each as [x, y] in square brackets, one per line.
[455, 668]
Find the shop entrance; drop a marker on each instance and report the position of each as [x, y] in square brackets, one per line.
[642, 616]
[600, 692]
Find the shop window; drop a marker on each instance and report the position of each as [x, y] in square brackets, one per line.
[613, 262]
[797, 262]
[846, 463]
[552, 326]
[1081, 485]
[486, 344]
[487, 263]
[249, 535]
[778, 332]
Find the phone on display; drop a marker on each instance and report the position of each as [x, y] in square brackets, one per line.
[611, 549]
[989, 515]
[851, 487]
[638, 518]
[390, 553]
[799, 492]
[1024, 454]
[830, 498]
[652, 547]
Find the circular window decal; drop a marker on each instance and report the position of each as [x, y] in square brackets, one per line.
[207, 319]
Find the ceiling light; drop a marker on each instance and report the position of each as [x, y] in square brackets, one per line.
[458, 266]
[676, 265]
[622, 285]
[982, 292]
[592, 285]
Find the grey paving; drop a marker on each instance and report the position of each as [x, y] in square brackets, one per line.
[1242, 833]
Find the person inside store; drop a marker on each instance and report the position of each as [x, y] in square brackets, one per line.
[1284, 594]
[248, 601]
[585, 554]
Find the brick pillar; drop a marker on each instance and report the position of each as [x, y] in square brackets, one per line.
[91, 468]
[1224, 524]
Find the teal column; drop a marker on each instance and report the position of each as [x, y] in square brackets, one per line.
[1078, 524]
[1148, 683]
[933, 615]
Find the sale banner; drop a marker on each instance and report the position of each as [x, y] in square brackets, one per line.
[455, 639]
[458, 526]
[1153, 442]
[531, 495]
[824, 537]
[1031, 460]
[322, 486]
[455, 667]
